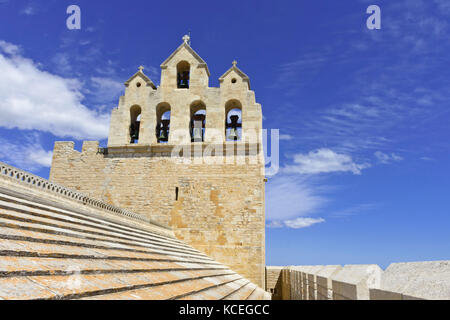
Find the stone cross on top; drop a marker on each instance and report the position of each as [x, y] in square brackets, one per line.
[234, 63]
[141, 68]
[186, 39]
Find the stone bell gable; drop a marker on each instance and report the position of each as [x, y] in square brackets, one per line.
[186, 155]
[184, 92]
[234, 79]
[184, 59]
[137, 90]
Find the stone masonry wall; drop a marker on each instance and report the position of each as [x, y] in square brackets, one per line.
[219, 211]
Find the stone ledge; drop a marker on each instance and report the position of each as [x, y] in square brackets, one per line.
[193, 147]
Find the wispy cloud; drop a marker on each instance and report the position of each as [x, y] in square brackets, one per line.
[105, 89]
[294, 195]
[392, 91]
[292, 75]
[153, 73]
[444, 6]
[29, 10]
[291, 196]
[354, 210]
[62, 63]
[387, 158]
[28, 154]
[297, 223]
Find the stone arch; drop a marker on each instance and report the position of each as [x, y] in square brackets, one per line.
[183, 74]
[233, 120]
[198, 121]
[163, 115]
[135, 123]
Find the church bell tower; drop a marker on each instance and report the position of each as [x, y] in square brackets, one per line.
[186, 155]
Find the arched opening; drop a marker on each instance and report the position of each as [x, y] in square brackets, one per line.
[135, 124]
[162, 122]
[183, 75]
[198, 121]
[233, 120]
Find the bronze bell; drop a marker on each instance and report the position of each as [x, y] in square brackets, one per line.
[197, 134]
[164, 136]
[134, 131]
[233, 136]
[197, 129]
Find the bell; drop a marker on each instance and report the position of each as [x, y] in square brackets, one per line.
[234, 119]
[197, 129]
[233, 136]
[164, 136]
[197, 134]
[134, 131]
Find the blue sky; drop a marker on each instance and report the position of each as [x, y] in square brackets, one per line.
[364, 115]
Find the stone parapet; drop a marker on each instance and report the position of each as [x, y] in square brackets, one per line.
[400, 281]
[426, 279]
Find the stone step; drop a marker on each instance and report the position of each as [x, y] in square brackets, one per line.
[14, 232]
[21, 221]
[217, 292]
[20, 266]
[243, 293]
[52, 219]
[168, 291]
[85, 217]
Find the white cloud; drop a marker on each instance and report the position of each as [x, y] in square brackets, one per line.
[275, 224]
[396, 157]
[28, 155]
[324, 161]
[9, 48]
[40, 157]
[386, 158]
[291, 196]
[28, 10]
[32, 99]
[297, 223]
[286, 137]
[302, 222]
